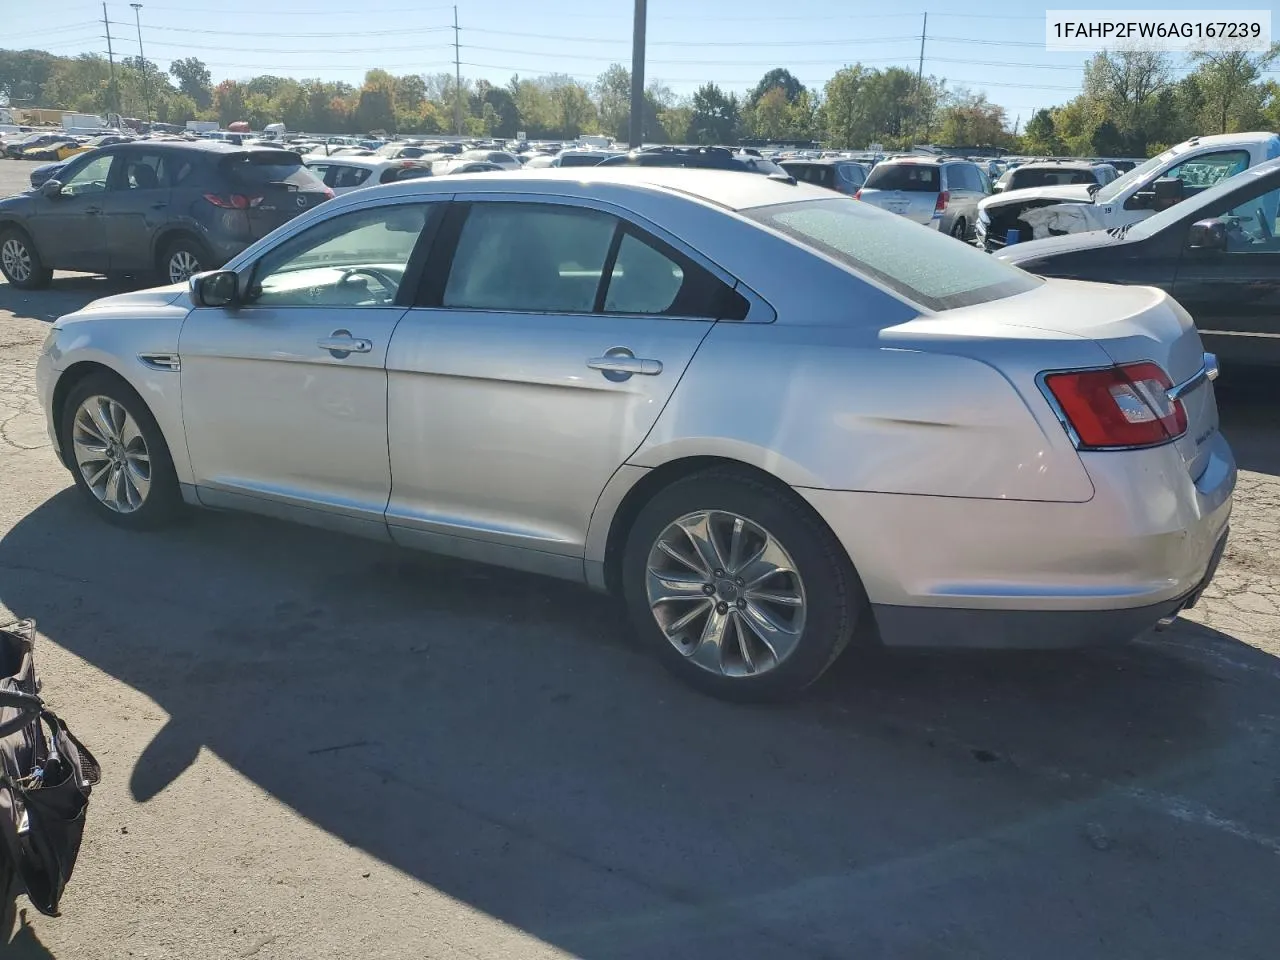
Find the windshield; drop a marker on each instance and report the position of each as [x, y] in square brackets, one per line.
[1199, 206]
[1139, 173]
[922, 265]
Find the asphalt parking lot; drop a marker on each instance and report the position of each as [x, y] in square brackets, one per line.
[317, 747]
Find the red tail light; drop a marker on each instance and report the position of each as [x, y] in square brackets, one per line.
[234, 201]
[858, 195]
[944, 197]
[1125, 406]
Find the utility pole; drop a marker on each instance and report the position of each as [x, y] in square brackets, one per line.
[457, 76]
[924, 29]
[636, 126]
[111, 59]
[142, 60]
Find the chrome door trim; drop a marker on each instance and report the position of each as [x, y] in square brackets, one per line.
[1209, 370]
[626, 214]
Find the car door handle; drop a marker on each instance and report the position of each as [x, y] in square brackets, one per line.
[343, 343]
[622, 363]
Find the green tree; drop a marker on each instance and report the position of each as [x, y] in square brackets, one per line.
[715, 115]
[779, 78]
[1229, 83]
[194, 80]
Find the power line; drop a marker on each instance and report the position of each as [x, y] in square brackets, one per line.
[301, 36]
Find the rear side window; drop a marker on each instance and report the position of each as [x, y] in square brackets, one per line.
[912, 177]
[547, 258]
[922, 265]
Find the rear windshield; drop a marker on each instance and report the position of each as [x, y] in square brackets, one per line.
[271, 167]
[1049, 177]
[920, 264]
[917, 177]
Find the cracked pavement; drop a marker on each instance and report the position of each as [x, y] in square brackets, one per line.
[317, 747]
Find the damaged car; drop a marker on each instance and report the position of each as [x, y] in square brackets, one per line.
[1148, 188]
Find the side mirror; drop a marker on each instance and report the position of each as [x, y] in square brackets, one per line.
[51, 188]
[217, 288]
[1207, 235]
[1167, 191]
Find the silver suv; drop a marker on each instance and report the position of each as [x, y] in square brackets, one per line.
[936, 191]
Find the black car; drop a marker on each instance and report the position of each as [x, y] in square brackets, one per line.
[707, 158]
[845, 176]
[18, 147]
[170, 207]
[1217, 253]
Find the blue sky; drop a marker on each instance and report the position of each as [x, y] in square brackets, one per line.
[993, 46]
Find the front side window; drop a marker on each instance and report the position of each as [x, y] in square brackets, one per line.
[1209, 169]
[142, 171]
[355, 259]
[91, 178]
[925, 266]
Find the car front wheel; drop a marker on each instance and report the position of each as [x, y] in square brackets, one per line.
[20, 263]
[118, 455]
[739, 587]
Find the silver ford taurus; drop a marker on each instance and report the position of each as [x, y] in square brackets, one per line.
[772, 419]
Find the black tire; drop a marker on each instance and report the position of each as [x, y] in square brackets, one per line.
[38, 276]
[960, 229]
[163, 502]
[835, 599]
[183, 245]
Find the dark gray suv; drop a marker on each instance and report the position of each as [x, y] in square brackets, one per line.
[152, 206]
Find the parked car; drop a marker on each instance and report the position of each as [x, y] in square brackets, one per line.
[1218, 254]
[174, 208]
[45, 172]
[17, 147]
[1044, 173]
[662, 332]
[844, 176]
[703, 158]
[1047, 211]
[343, 174]
[499, 158]
[454, 165]
[939, 192]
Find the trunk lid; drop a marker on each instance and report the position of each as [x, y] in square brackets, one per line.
[1131, 324]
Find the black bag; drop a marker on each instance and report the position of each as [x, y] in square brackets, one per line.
[46, 776]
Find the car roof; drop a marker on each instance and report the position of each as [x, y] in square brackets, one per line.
[351, 161]
[735, 190]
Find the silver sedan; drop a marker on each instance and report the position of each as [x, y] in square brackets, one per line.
[773, 420]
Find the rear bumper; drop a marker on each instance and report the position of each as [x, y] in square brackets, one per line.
[953, 571]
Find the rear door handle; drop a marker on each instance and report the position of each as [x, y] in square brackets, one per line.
[341, 344]
[624, 363]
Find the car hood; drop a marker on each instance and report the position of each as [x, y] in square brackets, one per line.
[1066, 193]
[172, 301]
[1053, 246]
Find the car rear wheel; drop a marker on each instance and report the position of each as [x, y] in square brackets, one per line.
[738, 587]
[20, 263]
[118, 455]
[182, 258]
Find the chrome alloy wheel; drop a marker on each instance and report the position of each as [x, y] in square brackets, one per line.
[111, 454]
[182, 265]
[16, 259]
[725, 593]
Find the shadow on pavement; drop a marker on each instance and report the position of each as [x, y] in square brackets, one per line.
[1249, 407]
[67, 293]
[497, 737]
